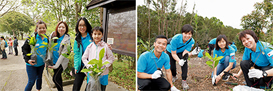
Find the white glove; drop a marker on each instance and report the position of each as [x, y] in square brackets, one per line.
[181, 62]
[174, 89]
[255, 73]
[196, 50]
[156, 74]
[213, 79]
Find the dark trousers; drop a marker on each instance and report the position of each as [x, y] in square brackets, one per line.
[4, 55]
[79, 77]
[34, 75]
[211, 47]
[245, 66]
[160, 84]
[57, 78]
[16, 51]
[184, 68]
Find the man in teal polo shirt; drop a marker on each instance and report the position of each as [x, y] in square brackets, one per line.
[181, 45]
[149, 67]
[257, 61]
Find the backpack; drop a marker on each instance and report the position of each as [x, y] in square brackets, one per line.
[6, 44]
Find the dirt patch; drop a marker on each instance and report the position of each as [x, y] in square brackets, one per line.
[199, 76]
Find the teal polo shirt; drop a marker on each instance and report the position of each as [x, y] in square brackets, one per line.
[86, 41]
[213, 41]
[41, 52]
[146, 62]
[228, 52]
[56, 50]
[234, 47]
[265, 58]
[177, 41]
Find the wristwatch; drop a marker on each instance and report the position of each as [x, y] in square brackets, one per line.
[264, 74]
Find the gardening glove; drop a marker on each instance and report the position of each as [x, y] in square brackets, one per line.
[196, 50]
[213, 79]
[156, 74]
[173, 88]
[181, 62]
[255, 73]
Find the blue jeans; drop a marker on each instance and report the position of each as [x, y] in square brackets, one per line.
[34, 74]
[222, 66]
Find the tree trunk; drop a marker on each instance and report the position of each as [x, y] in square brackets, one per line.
[22, 34]
[101, 16]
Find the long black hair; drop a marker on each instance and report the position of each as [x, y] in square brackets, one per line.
[88, 30]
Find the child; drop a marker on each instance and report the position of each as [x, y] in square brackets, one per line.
[92, 52]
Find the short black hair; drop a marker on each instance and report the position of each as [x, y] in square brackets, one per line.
[160, 36]
[97, 28]
[218, 39]
[14, 37]
[250, 32]
[187, 28]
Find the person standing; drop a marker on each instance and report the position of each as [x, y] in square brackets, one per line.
[3, 43]
[15, 45]
[10, 43]
[60, 62]
[35, 62]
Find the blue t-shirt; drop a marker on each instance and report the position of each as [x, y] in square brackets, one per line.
[177, 41]
[266, 54]
[56, 50]
[146, 62]
[213, 41]
[41, 52]
[228, 52]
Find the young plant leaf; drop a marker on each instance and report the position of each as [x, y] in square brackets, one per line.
[209, 62]
[93, 61]
[106, 62]
[85, 70]
[207, 55]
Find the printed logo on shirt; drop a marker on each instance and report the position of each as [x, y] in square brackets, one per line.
[270, 54]
[233, 57]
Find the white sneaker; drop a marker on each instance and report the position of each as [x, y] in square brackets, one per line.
[185, 85]
[174, 79]
[174, 89]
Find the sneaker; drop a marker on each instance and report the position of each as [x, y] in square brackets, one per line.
[225, 77]
[174, 89]
[174, 78]
[185, 85]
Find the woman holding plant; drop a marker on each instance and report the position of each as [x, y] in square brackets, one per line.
[82, 40]
[59, 44]
[93, 52]
[34, 52]
[257, 61]
[225, 64]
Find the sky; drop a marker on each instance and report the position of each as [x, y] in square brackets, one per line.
[229, 12]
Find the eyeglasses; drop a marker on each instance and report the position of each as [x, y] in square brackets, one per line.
[82, 26]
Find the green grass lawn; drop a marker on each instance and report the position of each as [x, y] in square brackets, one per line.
[123, 75]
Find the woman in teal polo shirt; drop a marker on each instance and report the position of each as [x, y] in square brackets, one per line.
[35, 65]
[228, 61]
[257, 60]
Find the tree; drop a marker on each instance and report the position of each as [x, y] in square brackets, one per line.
[7, 5]
[16, 23]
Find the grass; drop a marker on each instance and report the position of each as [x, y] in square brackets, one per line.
[123, 75]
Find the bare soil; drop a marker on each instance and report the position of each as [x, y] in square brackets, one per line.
[199, 76]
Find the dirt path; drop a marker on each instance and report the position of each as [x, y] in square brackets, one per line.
[199, 76]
